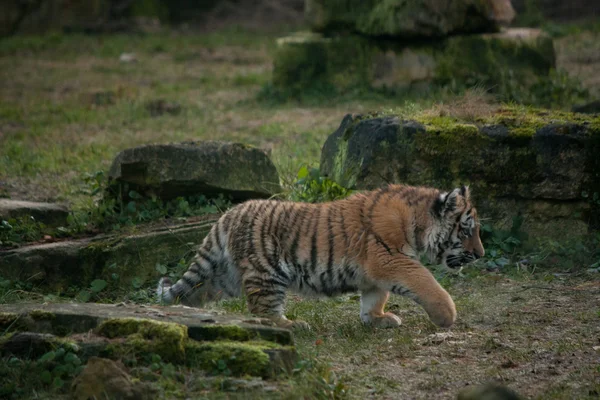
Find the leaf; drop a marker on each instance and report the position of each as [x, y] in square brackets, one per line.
[161, 268]
[131, 207]
[84, 296]
[134, 195]
[98, 285]
[303, 172]
[46, 377]
[58, 383]
[60, 352]
[502, 261]
[72, 358]
[137, 282]
[49, 356]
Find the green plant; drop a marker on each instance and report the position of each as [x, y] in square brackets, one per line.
[15, 231]
[311, 187]
[59, 365]
[97, 286]
[112, 206]
[319, 380]
[501, 245]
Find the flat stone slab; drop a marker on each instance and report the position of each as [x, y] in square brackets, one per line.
[196, 168]
[118, 259]
[198, 338]
[202, 324]
[48, 213]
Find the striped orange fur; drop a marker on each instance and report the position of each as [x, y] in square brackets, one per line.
[370, 242]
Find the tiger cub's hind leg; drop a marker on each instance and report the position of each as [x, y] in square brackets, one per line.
[372, 303]
[266, 298]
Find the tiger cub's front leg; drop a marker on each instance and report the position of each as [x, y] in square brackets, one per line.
[372, 303]
[407, 277]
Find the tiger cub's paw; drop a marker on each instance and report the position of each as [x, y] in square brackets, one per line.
[295, 325]
[387, 320]
[300, 325]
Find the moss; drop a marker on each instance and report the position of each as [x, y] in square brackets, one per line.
[7, 320]
[41, 315]
[224, 356]
[399, 18]
[145, 335]
[306, 61]
[15, 322]
[223, 332]
[5, 338]
[507, 66]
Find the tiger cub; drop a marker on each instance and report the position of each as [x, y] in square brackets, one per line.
[369, 242]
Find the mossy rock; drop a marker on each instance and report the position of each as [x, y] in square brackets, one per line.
[239, 358]
[218, 344]
[148, 336]
[408, 19]
[541, 164]
[507, 61]
[196, 168]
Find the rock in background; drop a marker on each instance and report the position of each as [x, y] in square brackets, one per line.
[408, 19]
[197, 168]
[541, 165]
[400, 45]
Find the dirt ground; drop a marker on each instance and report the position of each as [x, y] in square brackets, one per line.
[540, 339]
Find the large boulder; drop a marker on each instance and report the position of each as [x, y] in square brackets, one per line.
[192, 168]
[409, 19]
[540, 164]
[506, 61]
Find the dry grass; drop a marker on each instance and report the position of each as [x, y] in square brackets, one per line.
[473, 104]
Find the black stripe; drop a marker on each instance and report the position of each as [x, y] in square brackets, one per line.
[217, 231]
[206, 257]
[376, 200]
[189, 281]
[256, 211]
[381, 242]
[331, 248]
[270, 281]
[265, 230]
[194, 268]
[343, 227]
[296, 239]
[313, 242]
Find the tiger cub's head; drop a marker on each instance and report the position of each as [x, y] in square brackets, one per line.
[460, 229]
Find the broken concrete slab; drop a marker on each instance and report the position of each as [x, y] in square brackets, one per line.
[50, 214]
[116, 258]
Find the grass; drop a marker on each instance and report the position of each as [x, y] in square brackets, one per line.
[68, 106]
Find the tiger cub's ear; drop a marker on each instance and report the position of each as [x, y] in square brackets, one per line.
[465, 192]
[447, 202]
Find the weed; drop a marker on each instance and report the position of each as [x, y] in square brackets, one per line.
[18, 230]
[110, 212]
[311, 187]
